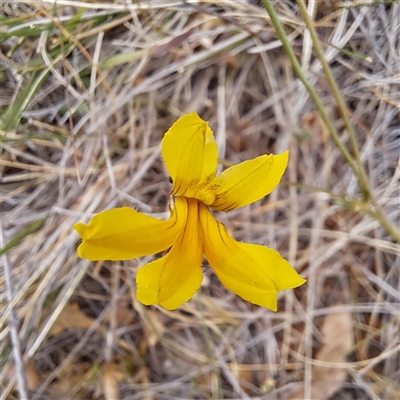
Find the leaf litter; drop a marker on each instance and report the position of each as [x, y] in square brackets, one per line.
[327, 379]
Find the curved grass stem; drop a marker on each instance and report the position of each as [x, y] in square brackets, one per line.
[353, 158]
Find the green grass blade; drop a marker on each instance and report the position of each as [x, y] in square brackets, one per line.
[13, 114]
[20, 236]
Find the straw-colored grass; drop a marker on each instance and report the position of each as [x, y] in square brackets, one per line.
[88, 89]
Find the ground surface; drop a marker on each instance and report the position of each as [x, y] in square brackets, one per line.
[88, 90]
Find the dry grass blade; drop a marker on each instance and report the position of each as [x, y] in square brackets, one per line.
[88, 90]
[13, 324]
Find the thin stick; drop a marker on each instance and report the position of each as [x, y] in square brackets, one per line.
[13, 323]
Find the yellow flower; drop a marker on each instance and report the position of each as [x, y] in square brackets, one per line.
[255, 273]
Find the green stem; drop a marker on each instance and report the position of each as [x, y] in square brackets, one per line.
[354, 161]
[313, 94]
[360, 173]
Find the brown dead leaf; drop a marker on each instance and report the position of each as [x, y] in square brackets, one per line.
[205, 380]
[112, 375]
[78, 378]
[337, 330]
[123, 314]
[243, 376]
[62, 388]
[71, 317]
[32, 376]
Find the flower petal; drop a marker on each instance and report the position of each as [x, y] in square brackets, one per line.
[255, 273]
[244, 183]
[190, 154]
[174, 278]
[124, 233]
